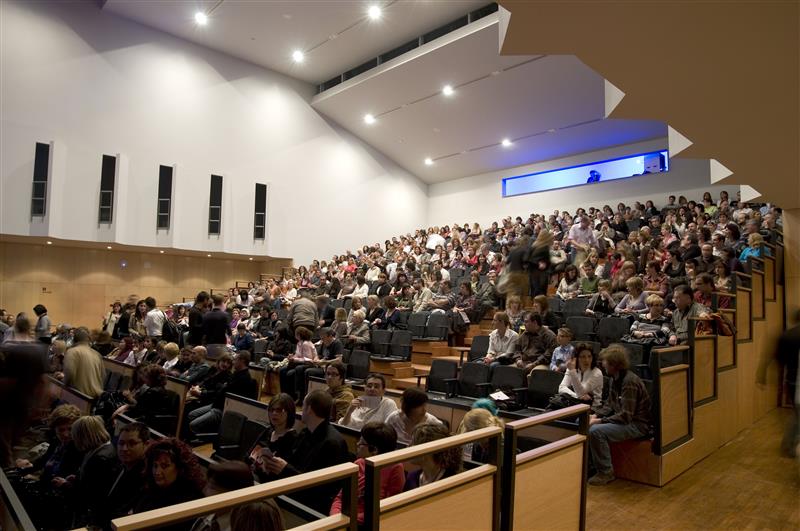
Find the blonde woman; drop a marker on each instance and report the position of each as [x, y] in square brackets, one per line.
[98, 471]
[476, 419]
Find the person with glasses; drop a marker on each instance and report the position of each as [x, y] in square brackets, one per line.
[372, 406]
[342, 394]
[131, 445]
[376, 438]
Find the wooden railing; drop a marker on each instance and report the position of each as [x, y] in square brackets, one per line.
[468, 500]
[346, 473]
[12, 512]
[673, 395]
[70, 395]
[552, 476]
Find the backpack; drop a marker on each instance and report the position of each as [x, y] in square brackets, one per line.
[171, 332]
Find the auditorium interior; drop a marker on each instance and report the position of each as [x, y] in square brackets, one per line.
[399, 264]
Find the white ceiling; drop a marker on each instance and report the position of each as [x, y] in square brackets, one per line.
[550, 106]
[267, 32]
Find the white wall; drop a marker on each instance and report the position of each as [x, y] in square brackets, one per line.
[479, 197]
[95, 84]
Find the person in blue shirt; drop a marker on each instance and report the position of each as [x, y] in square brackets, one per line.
[563, 352]
[754, 244]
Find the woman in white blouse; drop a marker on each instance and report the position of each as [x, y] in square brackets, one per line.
[583, 380]
[502, 339]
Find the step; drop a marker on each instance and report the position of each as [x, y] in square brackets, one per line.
[404, 372]
[387, 367]
[421, 369]
[405, 383]
[454, 359]
[427, 346]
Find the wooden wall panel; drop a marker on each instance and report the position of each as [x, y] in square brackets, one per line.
[78, 284]
[725, 346]
[758, 295]
[705, 369]
[743, 315]
[547, 491]
[673, 405]
[728, 405]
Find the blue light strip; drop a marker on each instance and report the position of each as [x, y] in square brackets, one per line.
[590, 173]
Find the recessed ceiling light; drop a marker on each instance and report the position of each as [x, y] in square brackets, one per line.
[162, 252]
[298, 56]
[201, 18]
[551, 130]
[447, 90]
[49, 242]
[108, 247]
[251, 258]
[374, 12]
[208, 255]
[506, 142]
[428, 161]
[369, 119]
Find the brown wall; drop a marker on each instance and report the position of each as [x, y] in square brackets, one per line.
[78, 284]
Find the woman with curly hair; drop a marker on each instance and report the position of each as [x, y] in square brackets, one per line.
[172, 475]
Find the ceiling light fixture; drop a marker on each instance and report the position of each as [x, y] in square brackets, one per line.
[208, 255]
[506, 142]
[251, 258]
[49, 242]
[298, 56]
[369, 119]
[201, 18]
[428, 161]
[374, 12]
[447, 90]
[162, 252]
[108, 247]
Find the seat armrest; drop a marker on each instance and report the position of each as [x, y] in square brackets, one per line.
[522, 395]
[484, 388]
[451, 386]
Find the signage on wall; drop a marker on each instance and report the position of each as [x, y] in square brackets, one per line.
[587, 174]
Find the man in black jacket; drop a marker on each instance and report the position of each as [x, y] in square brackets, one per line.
[196, 318]
[318, 446]
[326, 312]
[206, 419]
[329, 349]
[216, 323]
[127, 486]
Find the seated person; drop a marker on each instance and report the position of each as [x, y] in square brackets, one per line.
[655, 282]
[204, 393]
[172, 475]
[374, 316]
[280, 346]
[625, 415]
[154, 400]
[633, 301]
[601, 303]
[358, 332]
[280, 437]
[466, 301]
[243, 339]
[262, 513]
[293, 375]
[376, 438]
[542, 306]
[131, 445]
[391, 315]
[685, 308]
[704, 290]
[753, 248]
[570, 285]
[514, 311]
[412, 413]
[589, 280]
[319, 445]
[268, 322]
[339, 324]
[534, 346]
[502, 340]
[181, 363]
[97, 472]
[206, 419]
[342, 394]
[563, 352]
[475, 419]
[372, 406]
[199, 368]
[226, 476]
[583, 380]
[435, 466]
[329, 349]
[653, 327]
[723, 280]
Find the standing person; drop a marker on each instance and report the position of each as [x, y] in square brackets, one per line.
[42, 329]
[582, 238]
[539, 266]
[196, 318]
[626, 414]
[303, 312]
[83, 366]
[112, 318]
[216, 324]
[154, 320]
[788, 352]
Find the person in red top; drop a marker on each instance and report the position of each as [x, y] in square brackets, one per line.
[704, 288]
[376, 438]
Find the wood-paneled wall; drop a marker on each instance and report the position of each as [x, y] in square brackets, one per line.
[77, 285]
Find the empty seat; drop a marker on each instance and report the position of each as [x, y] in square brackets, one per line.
[402, 321]
[400, 347]
[573, 307]
[358, 365]
[437, 328]
[442, 372]
[541, 386]
[635, 353]
[229, 435]
[554, 303]
[417, 322]
[507, 378]
[582, 327]
[259, 348]
[380, 340]
[611, 329]
[479, 348]
[112, 381]
[470, 379]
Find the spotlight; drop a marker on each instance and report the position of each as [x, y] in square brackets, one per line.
[447, 90]
[298, 56]
[506, 142]
[374, 12]
[251, 258]
[369, 119]
[49, 242]
[162, 252]
[201, 18]
[108, 247]
[208, 255]
[428, 161]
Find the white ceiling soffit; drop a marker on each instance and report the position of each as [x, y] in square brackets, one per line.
[548, 106]
[267, 32]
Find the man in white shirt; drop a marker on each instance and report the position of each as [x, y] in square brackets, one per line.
[435, 239]
[412, 413]
[154, 320]
[372, 406]
[582, 238]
